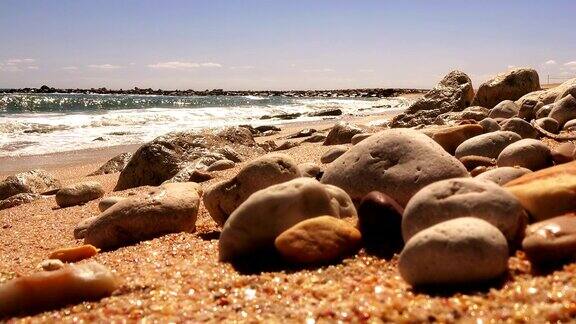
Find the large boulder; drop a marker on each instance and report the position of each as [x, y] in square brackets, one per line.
[548, 96]
[464, 197]
[507, 86]
[170, 208]
[161, 159]
[397, 162]
[488, 145]
[34, 181]
[453, 93]
[254, 225]
[222, 198]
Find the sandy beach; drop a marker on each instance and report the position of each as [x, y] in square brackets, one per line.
[178, 277]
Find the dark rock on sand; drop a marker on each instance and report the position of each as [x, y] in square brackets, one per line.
[552, 240]
[342, 133]
[380, 222]
[326, 112]
[302, 133]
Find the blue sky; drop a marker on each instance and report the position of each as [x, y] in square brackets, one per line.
[279, 44]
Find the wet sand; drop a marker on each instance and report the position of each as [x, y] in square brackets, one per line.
[178, 278]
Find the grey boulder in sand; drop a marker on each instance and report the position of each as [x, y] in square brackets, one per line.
[507, 86]
[503, 175]
[460, 251]
[255, 224]
[222, 198]
[34, 181]
[79, 193]
[488, 145]
[528, 153]
[464, 197]
[170, 208]
[397, 162]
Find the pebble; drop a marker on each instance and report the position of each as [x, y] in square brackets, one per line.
[221, 165]
[78, 194]
[488, 145]
[108, 202]
[397, 162]
[520, 127]
[74, 254]
[563, 153]
[489, 125]
[170, 208]
[464, 197]
[450, 137]
[52, 289]
[380, 222]
[471, 162]
[51, 265]
[258, 221]
[222, 198]
[504, 109]
[342, 133]
[528, 153]
[333, 153]
[464, 250]
[34, 181]
[18, 199]
[569, 126]
[548, 124]
[359, 138]
[548, 192]
[318, 240]
[552, 240]
[503, 175]
[564, 109]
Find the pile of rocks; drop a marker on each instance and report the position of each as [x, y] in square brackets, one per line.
[25, 187]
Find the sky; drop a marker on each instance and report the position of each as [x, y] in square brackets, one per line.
[297, 44]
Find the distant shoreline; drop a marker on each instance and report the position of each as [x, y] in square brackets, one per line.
[337, 93]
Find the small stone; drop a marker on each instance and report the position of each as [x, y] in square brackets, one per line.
[380, 222]
[74, 254]
[471, 162]
[342, 133]
[333, 153]
[221, 165]
[520, 127]
[49, 290]
[570, 125]
[316, 138]
[503, 175]
[222, 198]
[191, 174]
[489, 125]
[450, 137]
[302, 133]
[505, 109]
[464, 197]
[552, 240]
[548, 124]
[479, 170]
[564, 153]
[18, 199]
[310, 170]
[564, 109]
[286, 145]
[527, 153]
[529, 108]
[108, 202]
[476, 113]
[51, 265]
[79, 193]
[464, 250]
[35, 181]
[258, 221]
[544, 111]
[114, 165]
[359, 138]
[318, 240]
[488, 145]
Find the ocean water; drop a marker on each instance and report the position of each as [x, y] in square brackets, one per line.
[33, 124]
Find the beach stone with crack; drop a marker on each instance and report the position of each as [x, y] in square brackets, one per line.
[259, 220]
[453, 93]
[380, 222]
[310, 170]
[35, 182]
[18, 199]
[489, 125]
[520, 127]
[505, 109]
[164, 157]
[510, 85]
[170, 208]
[108, 202]
[222, 198]
[564, 110]
[53, 289]
[79, 193]
[397, 162]
[548, 124]
[471, 162]
[460, 251]
[318, 240]
[464, 197]
[488, 145]
[116, 164]
[503, 175]
[450, 137]
[564, 153]
[342, 133]
[552, 240]
[333, 153]
[548, 192]
[221, 165]
[359, 138]
[528, 153]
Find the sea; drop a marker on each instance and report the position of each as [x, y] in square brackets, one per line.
[33, 124]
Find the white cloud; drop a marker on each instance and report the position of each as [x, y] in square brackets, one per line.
[18, 65]
[570, 64]
[177, 65]
[33, 67]
[70, 68]
[366, 70]
[550, 62]
[242, 67]
[318, 70]
[510, 67]
[104, 66]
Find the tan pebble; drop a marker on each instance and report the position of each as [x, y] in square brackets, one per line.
[51, 265]
[75, 254]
